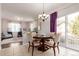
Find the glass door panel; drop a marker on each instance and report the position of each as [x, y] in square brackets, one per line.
[61, 29]
[73, 31]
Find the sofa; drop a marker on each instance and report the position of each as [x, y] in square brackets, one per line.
[7, 35]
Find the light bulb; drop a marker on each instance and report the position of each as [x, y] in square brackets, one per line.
[39, 16]
[44, 14]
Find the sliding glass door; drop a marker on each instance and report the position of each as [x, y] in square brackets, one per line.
[61, 29]
[73, 31]
[68, 26]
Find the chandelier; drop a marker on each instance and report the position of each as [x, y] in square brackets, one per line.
[43, 16]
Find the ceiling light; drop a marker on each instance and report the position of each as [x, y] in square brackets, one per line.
[43, 16]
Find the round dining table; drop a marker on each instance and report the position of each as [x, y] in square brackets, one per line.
[43, 47]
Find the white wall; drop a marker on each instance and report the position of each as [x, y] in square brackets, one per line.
[0, 26]
[4, 25]
[45, 28]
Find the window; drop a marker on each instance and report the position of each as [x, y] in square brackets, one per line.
[14, 27]
[61, 29]
[73, 31]
[69, 27]
[73, 24]
[61, 25]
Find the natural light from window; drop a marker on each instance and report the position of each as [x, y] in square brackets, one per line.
[61, 24]
[14, 27]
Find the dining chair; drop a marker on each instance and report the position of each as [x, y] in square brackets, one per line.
[56, 40]
[54, 43]
[34, 43]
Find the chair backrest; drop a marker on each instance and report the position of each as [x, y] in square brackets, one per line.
[51, 34]
[57, 37]
[33, 34]
[30, 36]
[35, 41]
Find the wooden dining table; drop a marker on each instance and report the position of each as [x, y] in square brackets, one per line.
[43, 47]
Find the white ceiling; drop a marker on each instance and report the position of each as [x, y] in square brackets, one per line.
[28, 10]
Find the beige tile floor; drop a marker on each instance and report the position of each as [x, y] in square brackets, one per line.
[22, 50]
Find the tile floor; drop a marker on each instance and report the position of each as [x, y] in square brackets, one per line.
[22, 50]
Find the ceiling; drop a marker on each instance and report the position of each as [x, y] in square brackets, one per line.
[28, 10]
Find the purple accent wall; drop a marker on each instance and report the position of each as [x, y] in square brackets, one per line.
[53, 20]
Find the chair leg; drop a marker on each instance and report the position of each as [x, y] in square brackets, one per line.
[29, 47]
[32, 49]
[54, 49]
[58, 47]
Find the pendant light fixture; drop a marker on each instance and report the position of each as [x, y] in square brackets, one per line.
[43, 16]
